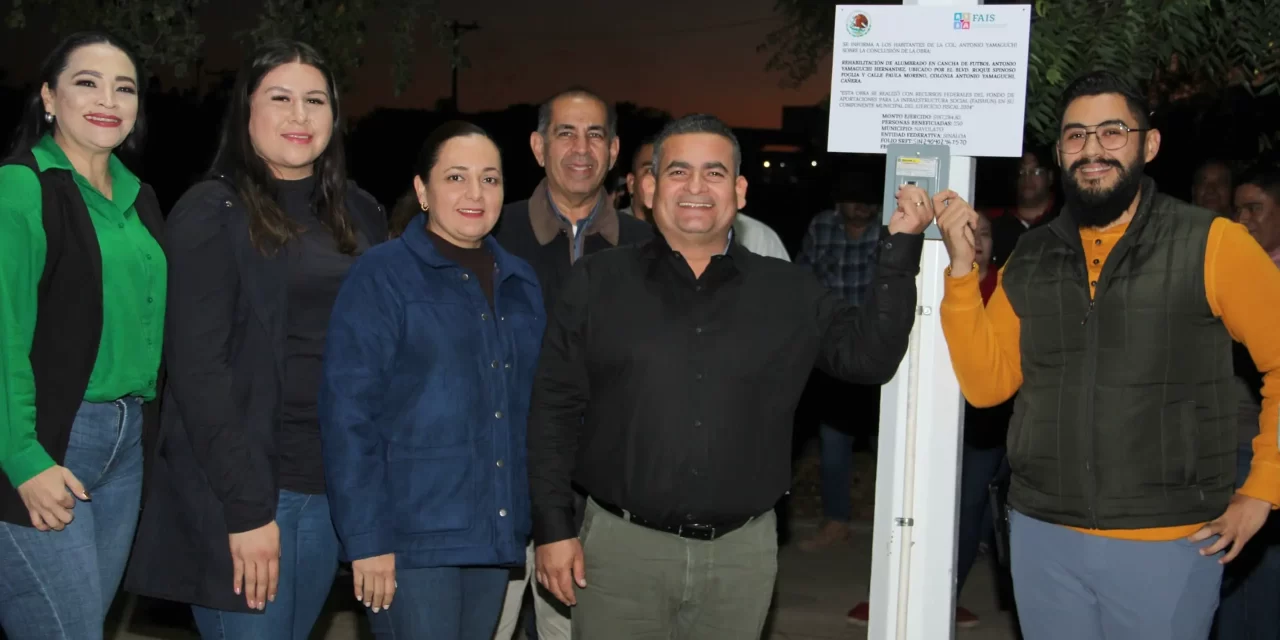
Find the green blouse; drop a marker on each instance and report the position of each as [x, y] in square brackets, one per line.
[133, 286]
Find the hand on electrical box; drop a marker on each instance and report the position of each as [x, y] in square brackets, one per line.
[914, 212]
[958, 222]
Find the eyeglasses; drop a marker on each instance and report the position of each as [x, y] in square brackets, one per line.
[1036, 172]
[1111, 136]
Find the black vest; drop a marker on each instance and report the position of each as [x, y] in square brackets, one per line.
[69, 318]
[1125, 417]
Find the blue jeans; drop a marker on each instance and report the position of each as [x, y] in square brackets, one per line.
[308, 564]
[978, 467]
[836, 465]
[1250, 608]
[58, 585]
[1071, 585]
[443, 603]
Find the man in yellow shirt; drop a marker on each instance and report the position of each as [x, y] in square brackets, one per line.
[1114, 324]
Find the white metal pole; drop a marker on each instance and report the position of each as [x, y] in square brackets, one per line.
[912, 594]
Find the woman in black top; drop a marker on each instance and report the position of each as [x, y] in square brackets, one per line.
[236, 522]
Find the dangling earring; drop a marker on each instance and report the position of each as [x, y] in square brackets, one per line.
[48, 117]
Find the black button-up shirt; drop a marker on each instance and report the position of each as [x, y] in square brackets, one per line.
[673, 396]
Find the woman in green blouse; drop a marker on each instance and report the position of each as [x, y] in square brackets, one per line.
[82, 299]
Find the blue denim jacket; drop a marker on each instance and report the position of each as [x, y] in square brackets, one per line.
[423, 406]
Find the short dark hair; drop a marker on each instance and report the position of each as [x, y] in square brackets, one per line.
[858, 187]
[611, 113]
[644, 142]
[1265, 177]
[1100, 83]
[1211, 162]
[1043, 156]
[696, 123]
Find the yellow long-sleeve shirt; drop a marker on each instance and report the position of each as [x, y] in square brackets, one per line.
[1242, 286]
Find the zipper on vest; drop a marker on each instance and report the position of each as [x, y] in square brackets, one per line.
[1091, 374]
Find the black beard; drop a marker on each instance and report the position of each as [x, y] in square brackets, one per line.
[1100, 208]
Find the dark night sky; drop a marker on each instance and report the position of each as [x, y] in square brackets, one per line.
[678, 55]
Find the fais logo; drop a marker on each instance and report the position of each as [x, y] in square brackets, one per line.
[966, 21]
[858, 25]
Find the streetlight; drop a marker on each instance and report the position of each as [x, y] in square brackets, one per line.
[766, 164]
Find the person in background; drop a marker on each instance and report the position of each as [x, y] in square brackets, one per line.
[983, 453]
[758, 237]
[1250, 584]
[568, 216]
[236, 522]
[427, 375]
[617, 191]
[403, 212]
[1035, 204]
[1211, 187]
[841, 249]
[1257, 207]
[1123, 446]
[666, 389]
[82, 304]
[641, 161]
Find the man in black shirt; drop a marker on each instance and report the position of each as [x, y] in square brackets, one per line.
[668, 380]
[568, 216]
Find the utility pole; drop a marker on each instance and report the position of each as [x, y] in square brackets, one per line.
[458, 29]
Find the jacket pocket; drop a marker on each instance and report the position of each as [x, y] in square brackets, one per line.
[526, 327]
[433, 489]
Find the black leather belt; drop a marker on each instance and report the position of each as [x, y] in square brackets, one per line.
[690, 531]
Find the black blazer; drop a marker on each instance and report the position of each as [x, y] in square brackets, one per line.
[213, 472]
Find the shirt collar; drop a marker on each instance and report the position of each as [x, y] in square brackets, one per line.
[418, 240]
[658, 248]
[547, 220]
[124, 185]
[564, 220]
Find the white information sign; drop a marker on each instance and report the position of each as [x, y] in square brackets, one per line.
[930, 75]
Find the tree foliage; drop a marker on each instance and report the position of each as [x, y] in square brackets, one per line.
[161, 32]
[1175, 49]
[167, 33]
[340, 28]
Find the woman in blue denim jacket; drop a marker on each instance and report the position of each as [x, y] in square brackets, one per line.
[428, 371]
